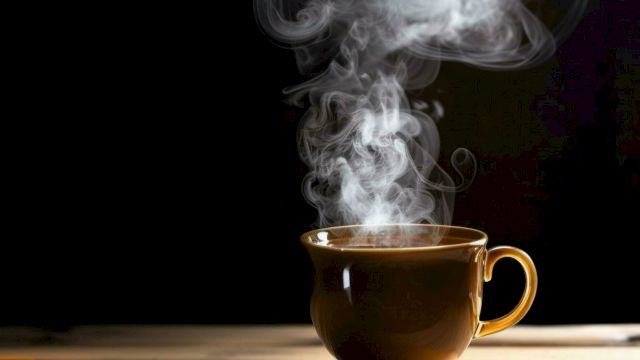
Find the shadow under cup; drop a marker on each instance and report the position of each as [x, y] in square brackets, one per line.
[403, 291]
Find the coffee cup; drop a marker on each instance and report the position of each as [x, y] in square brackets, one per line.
[405, 291]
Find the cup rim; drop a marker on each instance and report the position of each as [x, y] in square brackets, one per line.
[306, 239]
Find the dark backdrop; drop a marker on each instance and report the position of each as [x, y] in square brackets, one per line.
[157, 177]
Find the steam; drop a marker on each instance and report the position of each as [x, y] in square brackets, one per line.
[372, 153]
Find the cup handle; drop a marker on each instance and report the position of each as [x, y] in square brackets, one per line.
[492, 326]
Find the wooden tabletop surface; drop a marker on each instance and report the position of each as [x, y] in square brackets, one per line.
[297, 342]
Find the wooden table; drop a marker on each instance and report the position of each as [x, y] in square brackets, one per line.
[295, 342]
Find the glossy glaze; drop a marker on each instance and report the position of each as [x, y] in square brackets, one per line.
[419, 301]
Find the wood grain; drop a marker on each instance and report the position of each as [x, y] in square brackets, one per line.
[292, 342]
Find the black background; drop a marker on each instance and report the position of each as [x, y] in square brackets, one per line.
[156, 176]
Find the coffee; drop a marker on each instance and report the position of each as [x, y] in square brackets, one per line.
[399, 297]
[395, 305]
[387, 242]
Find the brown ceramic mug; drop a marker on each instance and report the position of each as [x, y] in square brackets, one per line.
[406, 292]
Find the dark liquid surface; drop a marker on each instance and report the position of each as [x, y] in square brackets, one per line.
[374, 242]
[390, 305]
[381, 246]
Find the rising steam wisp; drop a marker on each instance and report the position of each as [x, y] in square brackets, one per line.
[372, 153]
